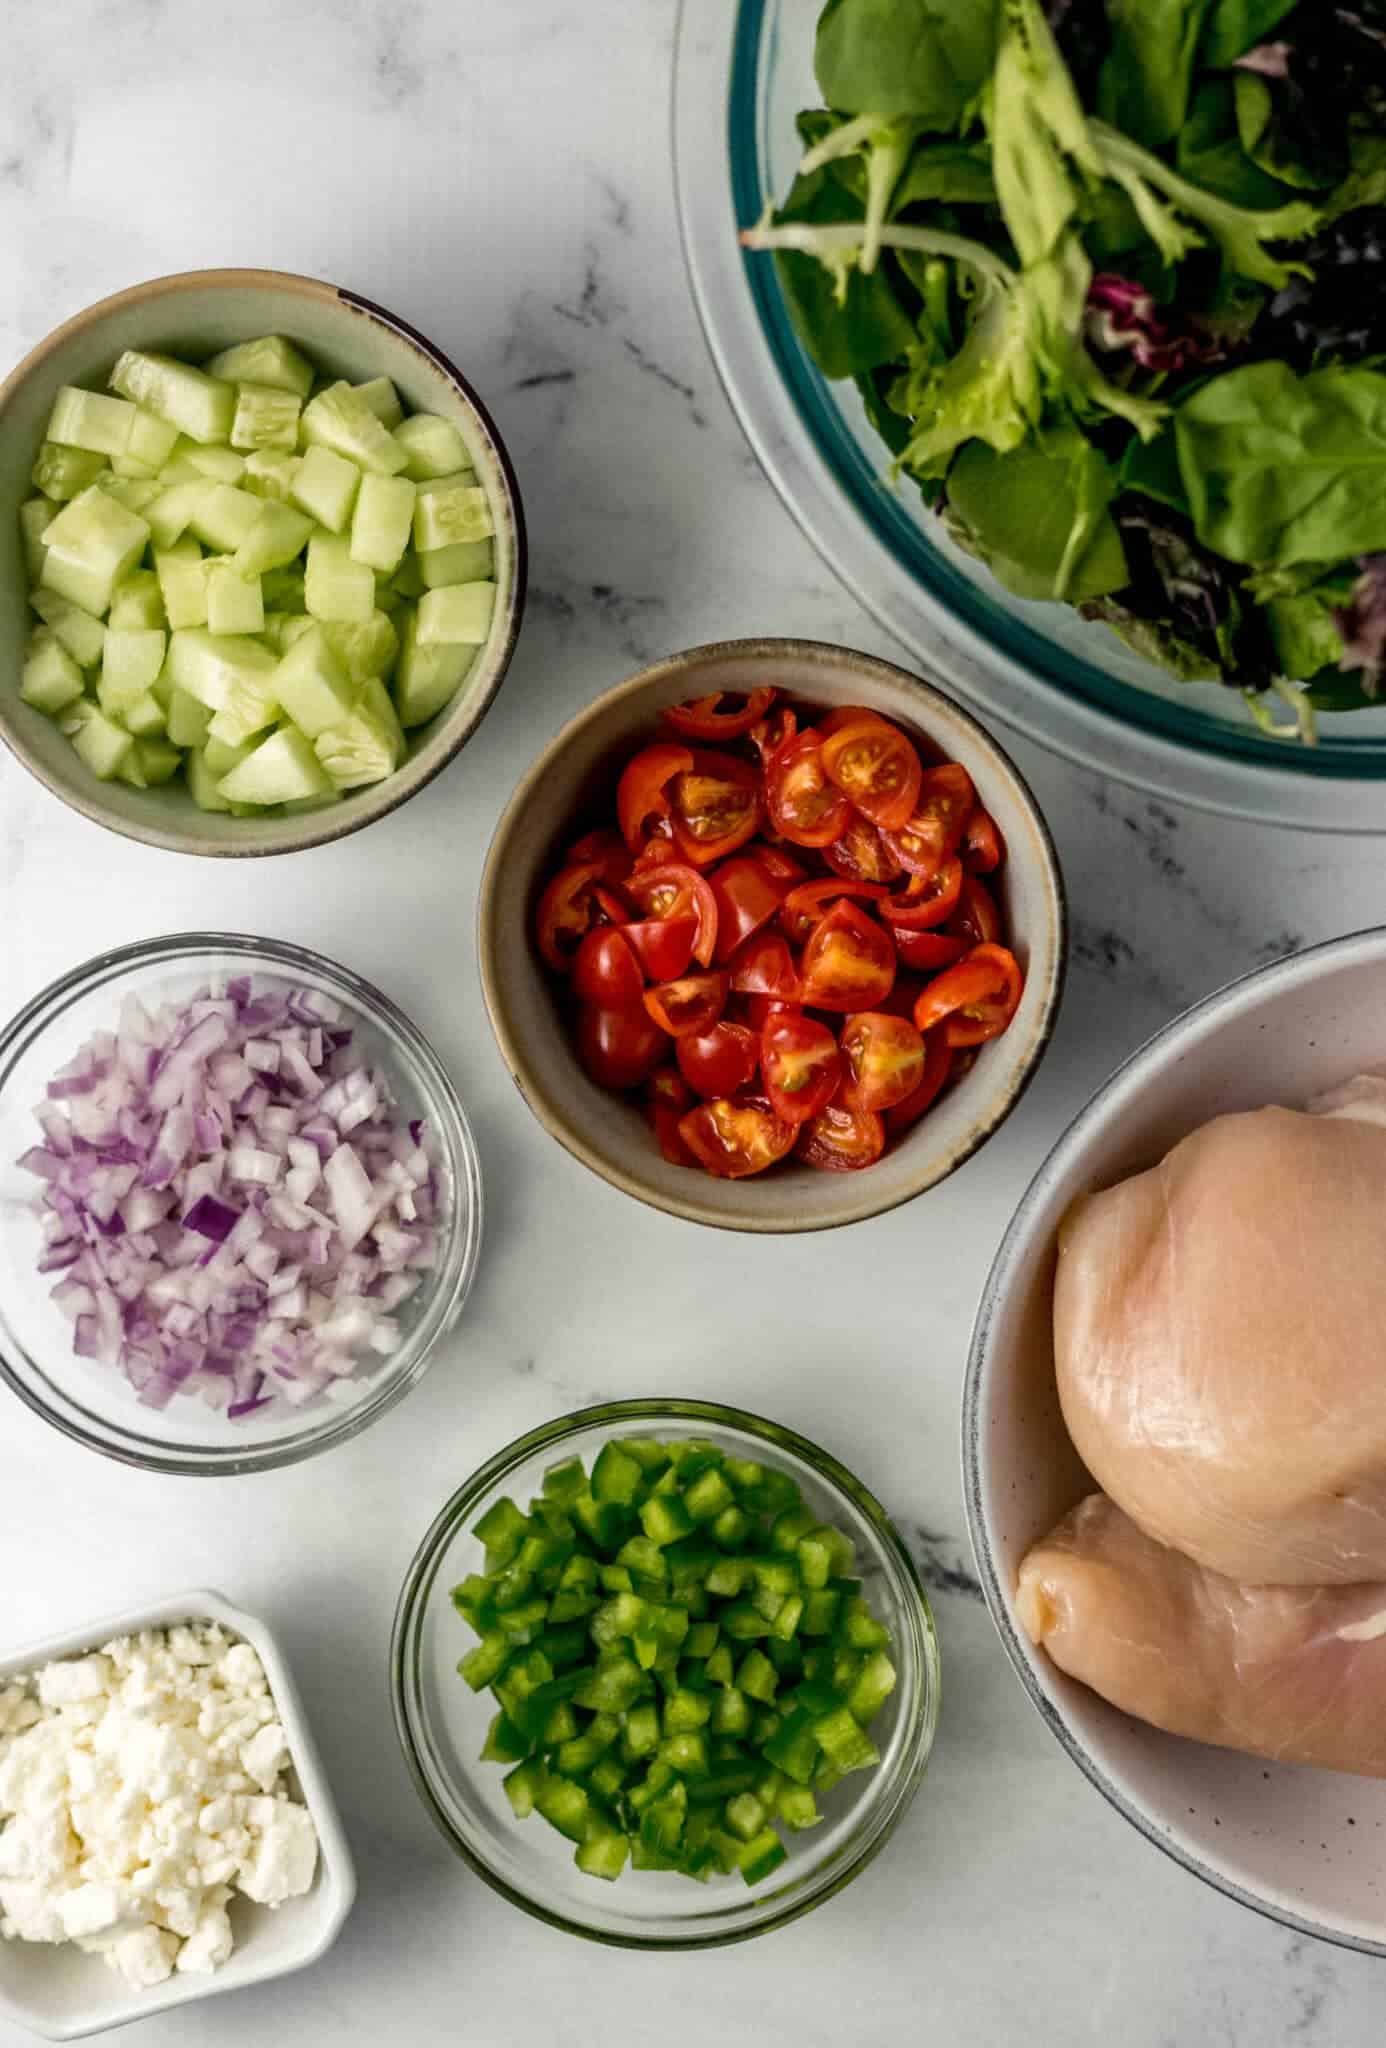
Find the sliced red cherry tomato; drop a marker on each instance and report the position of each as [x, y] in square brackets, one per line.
[841, 1140]
[975, 1000]
[714, 807]
[735, 1139]
[925, 952]
[642, 794]
[764, 966]
[657, 850]
[619, 1048]
[565, 913]
[608, 907]
[848, 963]
[719, 1061]
[606, 849]
[669, 889]
[722, 716]
[805, 906]
[884, 1059]
[662, 945]
[606, 970]
[800, 1064]
[667, 1089]
[976, 917]
[930, 900]
[903, 997]
[862, 853]
[779, 865]
[876, 767]
[667, 1126]
[983, 847]
[845, 714]
[802, 803]
[773, 732]
[689, 1005]
[757, 1011]
[934, 830]
[747, 897]
[938, 1062]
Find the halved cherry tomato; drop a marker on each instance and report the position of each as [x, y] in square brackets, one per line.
[657, 849]
[983, 847]
[938, 1062]
[903, 997]
[691, 1004]
[669, 1135]
[875, 766]
[779, 865]
[714, 807]
[848, 964]
[619, 1048]
[841, 1140]
[884, 1059]
[976, 917]
[608, 907]
[975, 1000]
[642, 794]
[800, 1064]
[735, 1139]
[565, 912]
[719, 1061]
[802, 804]
[606, 970]
[667, 1089]
[773, 732]
[758, 1011]
[704, 719]
[606, 849]
[861, 853]
[926, 952]
[662, 945]
[669, 889]
[747, 897]
[928, 901]
[933, 832]
[764, 966]
[845, 714]
[805, 906]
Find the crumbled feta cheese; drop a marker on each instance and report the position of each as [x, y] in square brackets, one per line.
[284, 1857]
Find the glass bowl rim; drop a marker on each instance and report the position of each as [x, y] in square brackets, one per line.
[916, 1612]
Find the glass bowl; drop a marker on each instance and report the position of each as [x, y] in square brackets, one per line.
[93, 1402]
[442, 1724]
[743, 70]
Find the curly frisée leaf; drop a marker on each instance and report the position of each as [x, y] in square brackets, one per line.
[1038, 130]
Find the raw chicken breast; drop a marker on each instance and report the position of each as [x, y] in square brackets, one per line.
[1220, 1346]
[1296, 1673]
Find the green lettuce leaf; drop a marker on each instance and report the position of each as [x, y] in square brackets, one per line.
[927, 58]
[1040, 140]
[1166, 204]
[849, 323]
[1236, 26]
[1148, 72]
[1038, 516]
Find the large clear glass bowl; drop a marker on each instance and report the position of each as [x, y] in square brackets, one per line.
[743, 70]
[442, 1724]
[92, 1401]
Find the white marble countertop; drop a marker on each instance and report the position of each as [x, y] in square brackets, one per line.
[499, 174]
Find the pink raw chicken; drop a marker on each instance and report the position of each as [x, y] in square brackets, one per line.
[1220, 1345]
[1291, 1672]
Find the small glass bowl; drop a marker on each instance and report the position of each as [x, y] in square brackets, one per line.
[442, 1724]
[91, 1400]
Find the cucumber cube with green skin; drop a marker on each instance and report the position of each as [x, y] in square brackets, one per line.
[278, 535]
[209, 665]
[283, 588]
[340, 419]
[382, 521]
[136, 494]
[203, 786]
[265, 418]
[76, 630]
[88, 419]
[200, 406]
[130, 661]
[282, 769]
[367, 649]
[270, 474]
[383, 399]
[224, 517]
[137, 602]
[142, 716]
[64, 473]
[182, 582]
[218, 465]
[460, 616]
[187, 720]
[433, 446]
[36, 515]
[449, 511]
[221, 759]
[130, 472]
[325, 486]
[152, 440]
[269, 359]
[170, 514]
[466, 561]
[91, 544]
[250, 706]
[150, 763]
[312, 685]
[234, 602]
[282, 629]
[335, 587]
[50, 679]
[102, 745]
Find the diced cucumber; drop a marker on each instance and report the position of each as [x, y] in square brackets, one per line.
[325, 487]
[270, 474]
[91, 544]
[149, 763]
[265, 418]
[283, 588]
[152, 440]
[234, 603]
[407, 580]
[269, 359]
[36, 515]
[142, 716]
[281, 770]
[74, 629]
[221, 759]
[249, 708]
[130, 661]
[135, 493]
[102, 745]
[459, 615]
[129, 471]
[209, 666]
[427, 678]
[340, 419]
[203, 786]
[432, 445]
[364, 650]
[170, 513]
[278, 535]
[466, 561]
[200, 406]
[137, 601]
[312, 685]
[335, 587]
[382, 521]
[383, 399]
[450, 511]
[218, 465]
[182, 583]
[283, 628]
[63, 473]
[367, 746]
[187, 720]
[224, 517]
[50, 679]
[88, 419]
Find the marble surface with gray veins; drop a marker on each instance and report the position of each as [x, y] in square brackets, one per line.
[499, 174]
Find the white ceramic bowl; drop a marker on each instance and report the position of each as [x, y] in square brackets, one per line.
[59, 1992]
[1302, 1846]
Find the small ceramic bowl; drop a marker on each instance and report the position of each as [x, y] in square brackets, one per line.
[1299, 1845]
[572, 785]
[63, 1994]
[194, 314]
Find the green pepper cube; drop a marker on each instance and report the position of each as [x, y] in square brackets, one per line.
[641, 1737]
[743, 1622]
[564, 1806]
[502, 1529]
[665, 1519]
[872, 1687]
[617, 1578]
[625, 1615]
[861, 1629]
[702, 1639]
[616, 1477]
[787, 1620]
[658, 1778]
[563, 1646]
[687, 1752]
[607, 1779]
[719, 1666]
[570, 1605]
[685, 1711]
[483, 1665]
[794, 1747]
[661, 1824]
[523, 1623]
[760, 1856]
[820, 1612]
[731, 1529]
[745, 1816]
[650, 1456]
[731, 1712]
[706, 1496]
[474, 1603]
[846, 1745]
[605, 1522]
[566, 1480]
[638, 1554]
[728, 1577]
[612, 1688]
[522, 1787]
[505, 1743]
[788, 1529]
[815, 1558]
[560, 1725]
[757, 1677]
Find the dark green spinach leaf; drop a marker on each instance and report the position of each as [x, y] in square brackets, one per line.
[1146, 80]
[1208, 150]
[947, 173]
[869, 326]
[928, 58]
[1038, 516]
[1236, 26]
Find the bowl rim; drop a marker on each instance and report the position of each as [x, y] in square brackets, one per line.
[1191, 1028]
[302, 833]
[284, 957]
[775, 1220]
[677, 1409]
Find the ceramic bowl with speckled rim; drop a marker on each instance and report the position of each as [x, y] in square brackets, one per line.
[193, 314]
[571, 786]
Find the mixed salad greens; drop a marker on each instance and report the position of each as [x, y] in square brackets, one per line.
[1110, 276]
